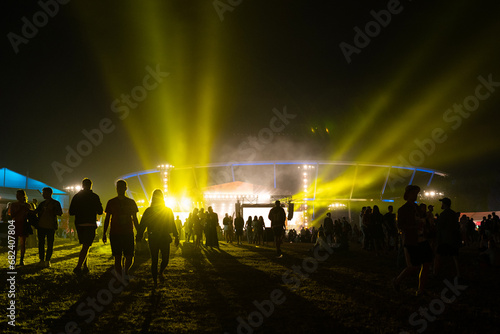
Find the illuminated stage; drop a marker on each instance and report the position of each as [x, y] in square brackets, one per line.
[313, 186]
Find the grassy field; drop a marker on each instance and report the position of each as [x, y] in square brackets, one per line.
[245, 289]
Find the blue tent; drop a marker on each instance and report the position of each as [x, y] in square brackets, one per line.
[11, 181]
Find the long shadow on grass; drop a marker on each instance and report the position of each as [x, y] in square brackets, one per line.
[101, 294]
[65, 246]
[364, 295]
[245, 285]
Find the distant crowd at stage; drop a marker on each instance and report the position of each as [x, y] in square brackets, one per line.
[419, 235]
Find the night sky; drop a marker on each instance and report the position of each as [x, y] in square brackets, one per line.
[229, 67]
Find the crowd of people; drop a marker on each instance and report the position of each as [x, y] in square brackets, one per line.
[201, 225]
[121, 220]
[423, 238]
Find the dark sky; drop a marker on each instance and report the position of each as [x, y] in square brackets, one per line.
[226, 76]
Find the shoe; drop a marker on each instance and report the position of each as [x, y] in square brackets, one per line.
[47, 264]
[41, 263]
[21, 263]
[85, 270]
[279, 256]
[77, 271]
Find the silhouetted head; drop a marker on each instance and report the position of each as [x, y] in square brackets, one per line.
[21, 196]
[277, 203]
[445, 202]
[86, 184]
[46, 193]
[411, 193]
[121, 187]
[157, 198]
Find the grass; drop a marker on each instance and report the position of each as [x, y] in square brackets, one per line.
[207, 291]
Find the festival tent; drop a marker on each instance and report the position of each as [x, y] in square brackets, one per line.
[11, 181]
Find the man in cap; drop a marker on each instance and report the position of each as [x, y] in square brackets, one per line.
[447, 235]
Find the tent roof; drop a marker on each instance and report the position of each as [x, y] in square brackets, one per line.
[11, 179]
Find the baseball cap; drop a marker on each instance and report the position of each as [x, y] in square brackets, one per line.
[446, 201]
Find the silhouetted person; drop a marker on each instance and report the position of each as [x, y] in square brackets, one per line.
[262, 229]
[197, 228]
[367, 229]
[121, 212]
[418, 252]
[85, 206]
[328, 228]
[203, 222]
[249, 230]
[447, 235]
[377, 229]
[228, 227]
[278, 217]
[391, 229]
[47, 212]
[188, 227]
[159, 222]
[211, 229]
[239, 224]
[19, 212]
[257, 230]
[178, 226]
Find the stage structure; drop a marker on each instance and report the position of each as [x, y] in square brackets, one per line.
[313, 186]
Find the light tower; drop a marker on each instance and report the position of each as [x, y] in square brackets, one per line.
[164, 174]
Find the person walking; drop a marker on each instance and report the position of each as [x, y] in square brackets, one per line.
[121, 212]
[85, 206]
[418, 252]
[47, 213]
[158, 220]
[19, 212]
